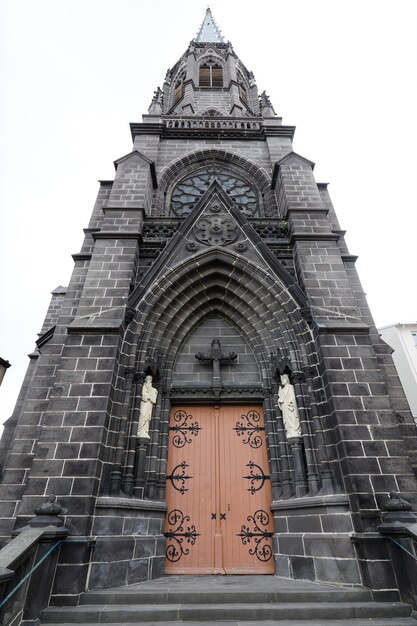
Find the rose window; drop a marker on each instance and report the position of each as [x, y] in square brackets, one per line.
[190, 190]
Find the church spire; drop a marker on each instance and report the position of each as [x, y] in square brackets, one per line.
[209, 31]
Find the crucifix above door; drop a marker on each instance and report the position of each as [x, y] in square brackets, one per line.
[216, 358]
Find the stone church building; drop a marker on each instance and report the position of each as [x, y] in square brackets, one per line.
[209, 394]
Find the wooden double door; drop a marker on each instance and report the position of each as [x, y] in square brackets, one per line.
[218, 492]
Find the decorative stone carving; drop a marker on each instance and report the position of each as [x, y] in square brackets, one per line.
[288, 405]
[280, 362]
[396, 503]
[192, 246]
[216, 358]
[190, 189]
[48, 514]
[159, 231]
[50, 507]
[153, 365]
[396, 512]
[225, 392]
[149, 396]
[307, 314]
[271, 230]
[267, 110]
[129, 314]
[241, 246]
[216, 230]
[155, 107]
[130, 372]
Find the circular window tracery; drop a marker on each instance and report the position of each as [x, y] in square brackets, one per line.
[189, 191]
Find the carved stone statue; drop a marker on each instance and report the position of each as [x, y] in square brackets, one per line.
[288, 405]
[148, 400]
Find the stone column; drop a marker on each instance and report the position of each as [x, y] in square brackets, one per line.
[142, 445]
[297, 379]
[283, 455]
[296, 446]
[115, 482]
[271, 436]
[324, 468]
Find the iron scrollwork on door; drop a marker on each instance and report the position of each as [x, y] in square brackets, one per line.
[178, 477]
[183, 429]
[257, 477]
[261, 537]
[250, 429]
[178, 534]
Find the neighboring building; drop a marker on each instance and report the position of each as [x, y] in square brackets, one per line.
[403, 340]
[213, 263]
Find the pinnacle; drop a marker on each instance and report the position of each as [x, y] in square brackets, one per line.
[209, 31]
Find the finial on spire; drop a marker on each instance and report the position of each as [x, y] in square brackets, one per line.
[267, 110]
[209, 31]
[157, 102]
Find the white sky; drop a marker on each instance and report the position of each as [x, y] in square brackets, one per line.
[74, 73]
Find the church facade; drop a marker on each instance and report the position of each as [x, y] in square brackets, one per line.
[209, 394]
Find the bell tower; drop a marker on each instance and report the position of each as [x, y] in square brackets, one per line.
[214, 338]
[210, 79]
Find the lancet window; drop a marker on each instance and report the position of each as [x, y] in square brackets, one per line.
[243, 94]
[211, 74]
[179, 87]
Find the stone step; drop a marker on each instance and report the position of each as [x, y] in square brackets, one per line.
[137, 595]
[402, 621]
[259, 612]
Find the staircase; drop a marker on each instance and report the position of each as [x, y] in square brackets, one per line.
[230, 601]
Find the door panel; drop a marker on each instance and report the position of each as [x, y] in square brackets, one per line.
[218, 492]
[190, 544]
[248, 527]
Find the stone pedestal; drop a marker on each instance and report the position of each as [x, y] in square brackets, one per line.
[296, 447]
[140, 459]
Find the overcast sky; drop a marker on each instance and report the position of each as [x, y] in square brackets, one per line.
[75, 73]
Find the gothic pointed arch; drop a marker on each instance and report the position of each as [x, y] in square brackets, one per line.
[233, 292]
[215, 279]
[210, 74]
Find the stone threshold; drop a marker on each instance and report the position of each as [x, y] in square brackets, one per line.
[115, 502]
[306, 502]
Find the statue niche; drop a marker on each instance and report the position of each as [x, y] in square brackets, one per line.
[288, 405]
[148, 401]
[291, 418]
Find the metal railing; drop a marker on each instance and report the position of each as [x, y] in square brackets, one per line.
[402, 542]
[21, 597]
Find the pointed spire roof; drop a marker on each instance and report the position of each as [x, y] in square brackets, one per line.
[209, 31]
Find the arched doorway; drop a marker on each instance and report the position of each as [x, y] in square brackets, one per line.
[218, 490]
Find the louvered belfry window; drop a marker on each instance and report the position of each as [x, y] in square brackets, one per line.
[243, 95]
[179, 88]
[211, 75]
[217, 76]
